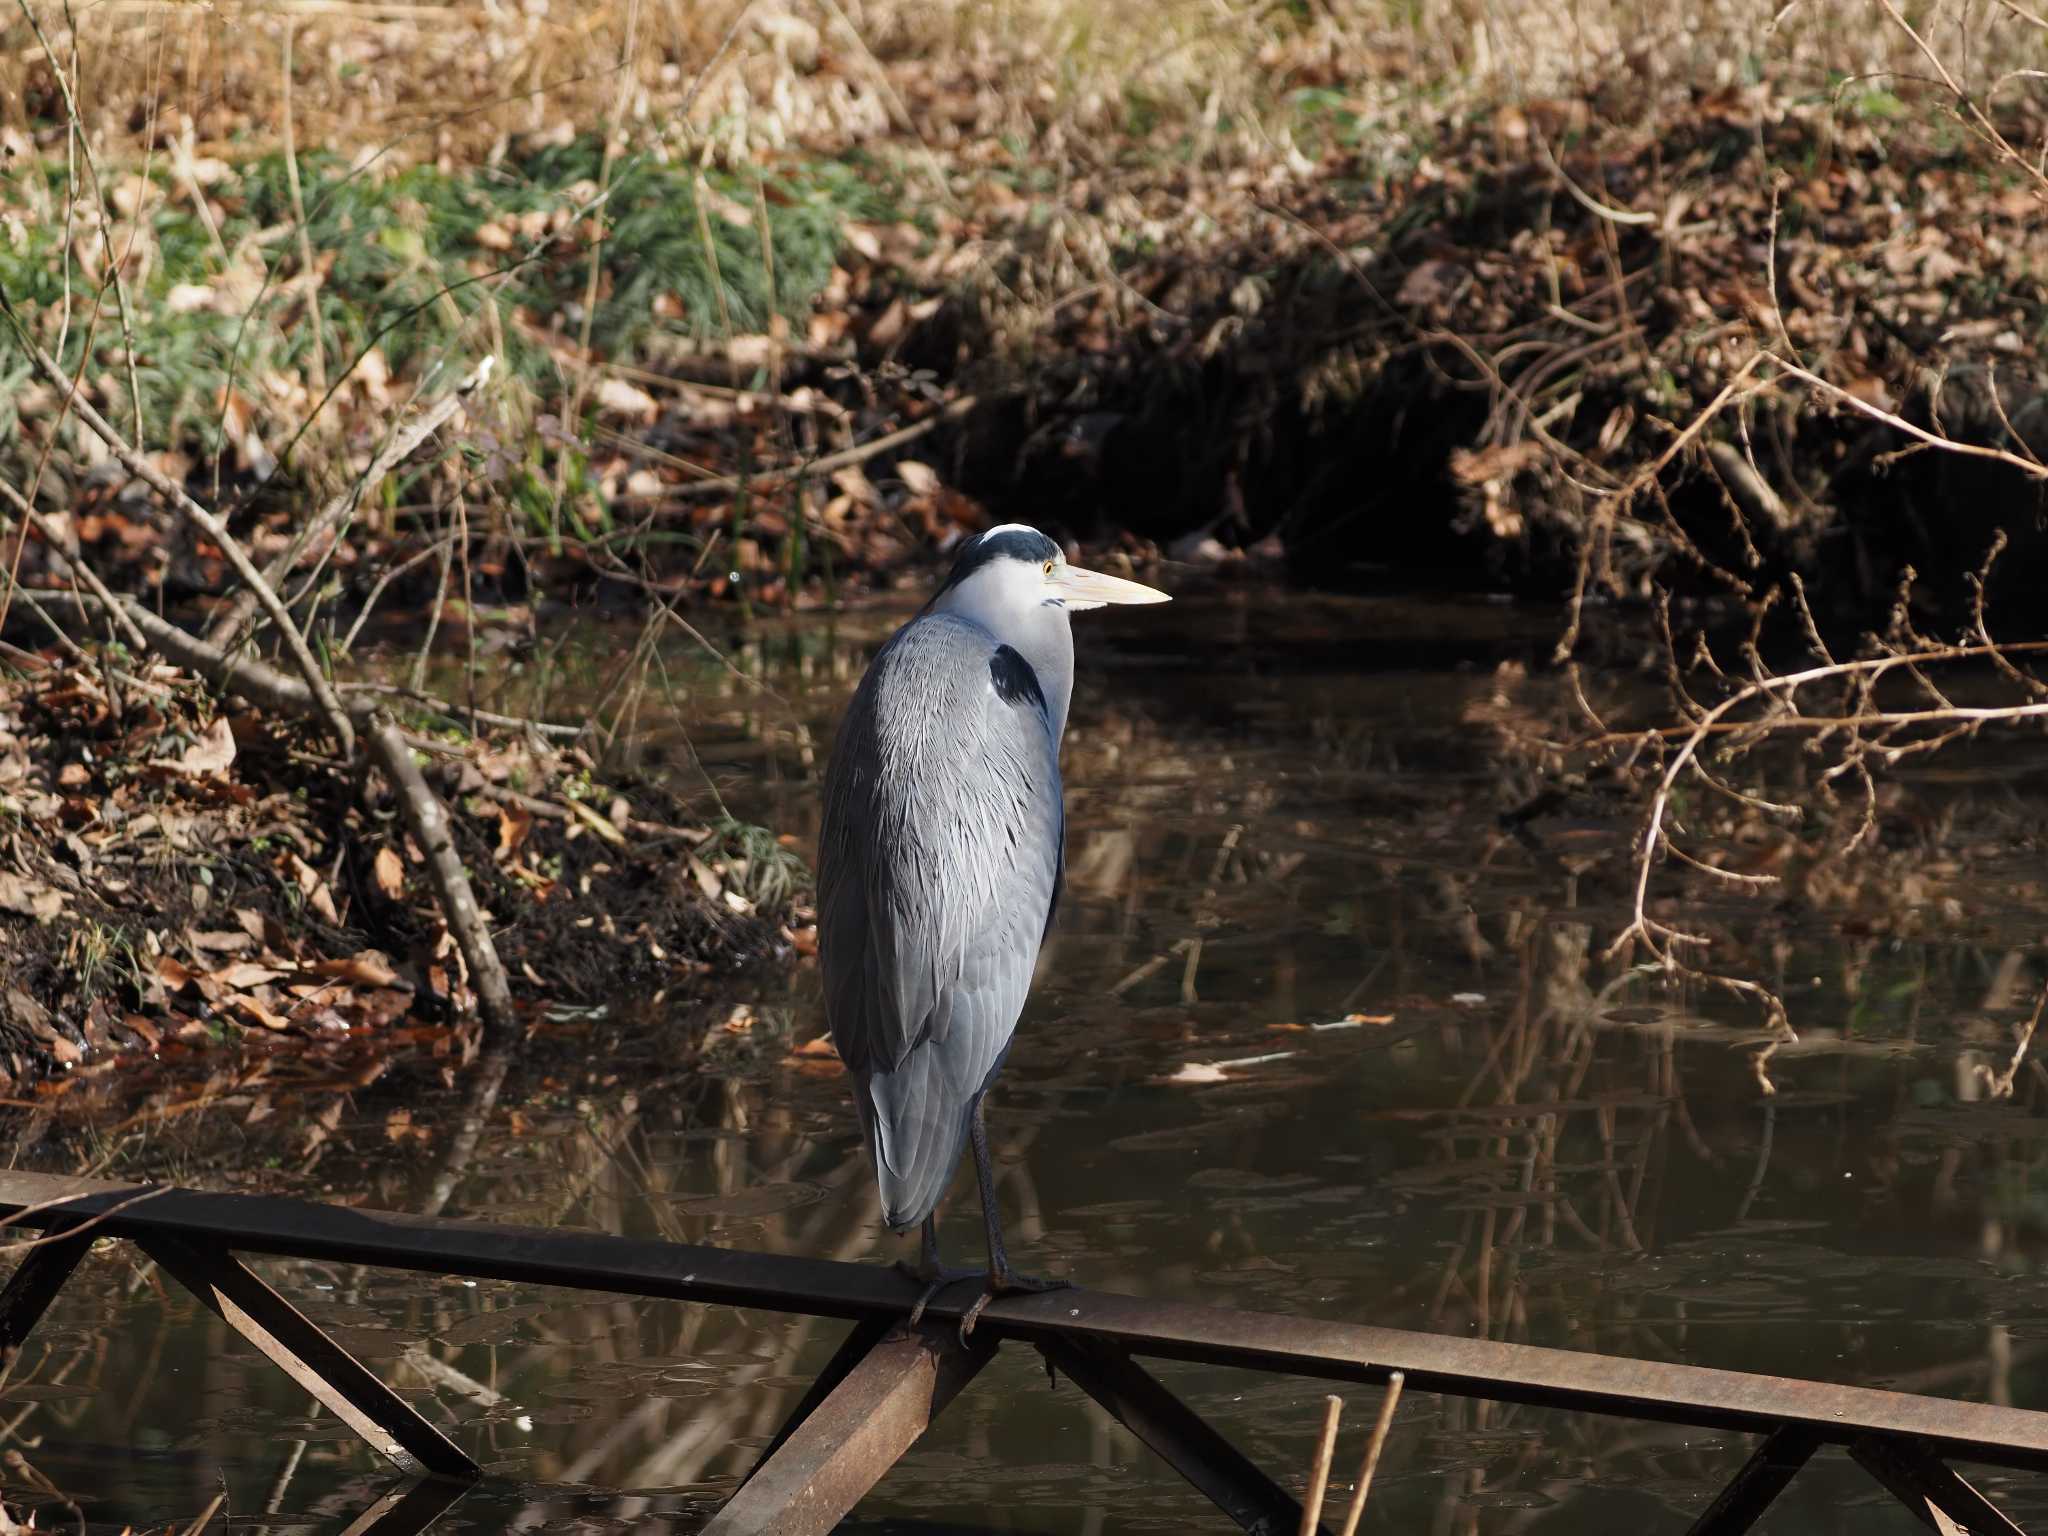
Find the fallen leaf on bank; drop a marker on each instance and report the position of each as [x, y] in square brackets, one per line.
[389, 871]
[248, 1003]
[213, 753]
[29, 898]
[515, 825]
[365, 968]
[310, 885]
[624, 399]
[227, 941]
[244, 974]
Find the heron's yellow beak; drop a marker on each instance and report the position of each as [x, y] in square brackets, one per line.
[1092, 589]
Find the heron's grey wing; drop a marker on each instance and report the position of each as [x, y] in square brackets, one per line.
[938, 868]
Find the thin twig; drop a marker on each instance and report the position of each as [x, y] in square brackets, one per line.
[1319, 1477]
[329, 706]
[845, 458]
[341, 509]
[1373, 1448]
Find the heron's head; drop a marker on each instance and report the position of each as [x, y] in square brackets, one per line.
[1013, 571]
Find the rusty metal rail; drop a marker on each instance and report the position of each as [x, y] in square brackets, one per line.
[884, 1386]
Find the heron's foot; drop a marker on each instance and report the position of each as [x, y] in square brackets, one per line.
[934, 1278]
[1005, 1282]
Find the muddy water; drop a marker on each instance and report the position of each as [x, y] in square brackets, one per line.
[1313, 1033]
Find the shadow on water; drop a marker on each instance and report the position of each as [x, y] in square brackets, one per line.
[1315, 1032]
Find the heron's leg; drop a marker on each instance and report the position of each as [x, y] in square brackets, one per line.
[1002, 1280]
[928, 1271]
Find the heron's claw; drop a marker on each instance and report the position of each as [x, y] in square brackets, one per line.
[1004, 1282]
[935, 1278]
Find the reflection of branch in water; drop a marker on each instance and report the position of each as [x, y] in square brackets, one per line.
[1763, 1162]
[2001, 1082]
[482, 1098]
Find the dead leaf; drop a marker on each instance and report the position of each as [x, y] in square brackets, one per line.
[365, 968]
[624, 399]
[922, 479]
[310, 885]
[211, 755]
[389, 871]
[226, 941]
[515, 824]
[250, 1004]
[244, 974]
[29, 898]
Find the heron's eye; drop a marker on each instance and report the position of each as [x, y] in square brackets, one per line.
[1048, 567]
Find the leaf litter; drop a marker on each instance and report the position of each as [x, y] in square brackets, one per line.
[174, 872]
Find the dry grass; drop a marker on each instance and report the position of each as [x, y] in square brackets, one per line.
[462, 81]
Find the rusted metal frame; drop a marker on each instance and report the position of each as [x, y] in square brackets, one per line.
[854, 1348]
[1520, 1373]
[1478, 1368]
[302, 1229]
[1928, 1486]
[347, 1388]
[860, 1429]
[34, 1285]
[1763, 1477]
[1181, 1437]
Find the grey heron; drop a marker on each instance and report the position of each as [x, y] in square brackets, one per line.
[939, 866]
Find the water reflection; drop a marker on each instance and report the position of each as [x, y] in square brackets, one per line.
[1317, 1031]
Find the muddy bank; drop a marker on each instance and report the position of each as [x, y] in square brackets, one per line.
[178, 872]
[1468, 366]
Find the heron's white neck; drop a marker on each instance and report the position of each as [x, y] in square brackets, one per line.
[1008, 599]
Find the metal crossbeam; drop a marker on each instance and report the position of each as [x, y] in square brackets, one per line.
[1180, 1436]
[858, 1432]
[34, 1285]
[853, 1349]
[242, 1299]
[1931, 1489]
[1763, 1477]
[409, 1508]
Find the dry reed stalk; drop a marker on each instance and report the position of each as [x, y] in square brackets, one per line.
[1319, 1476]
[1373, 1448]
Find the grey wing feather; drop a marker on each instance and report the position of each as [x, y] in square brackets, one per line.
[937, 871]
